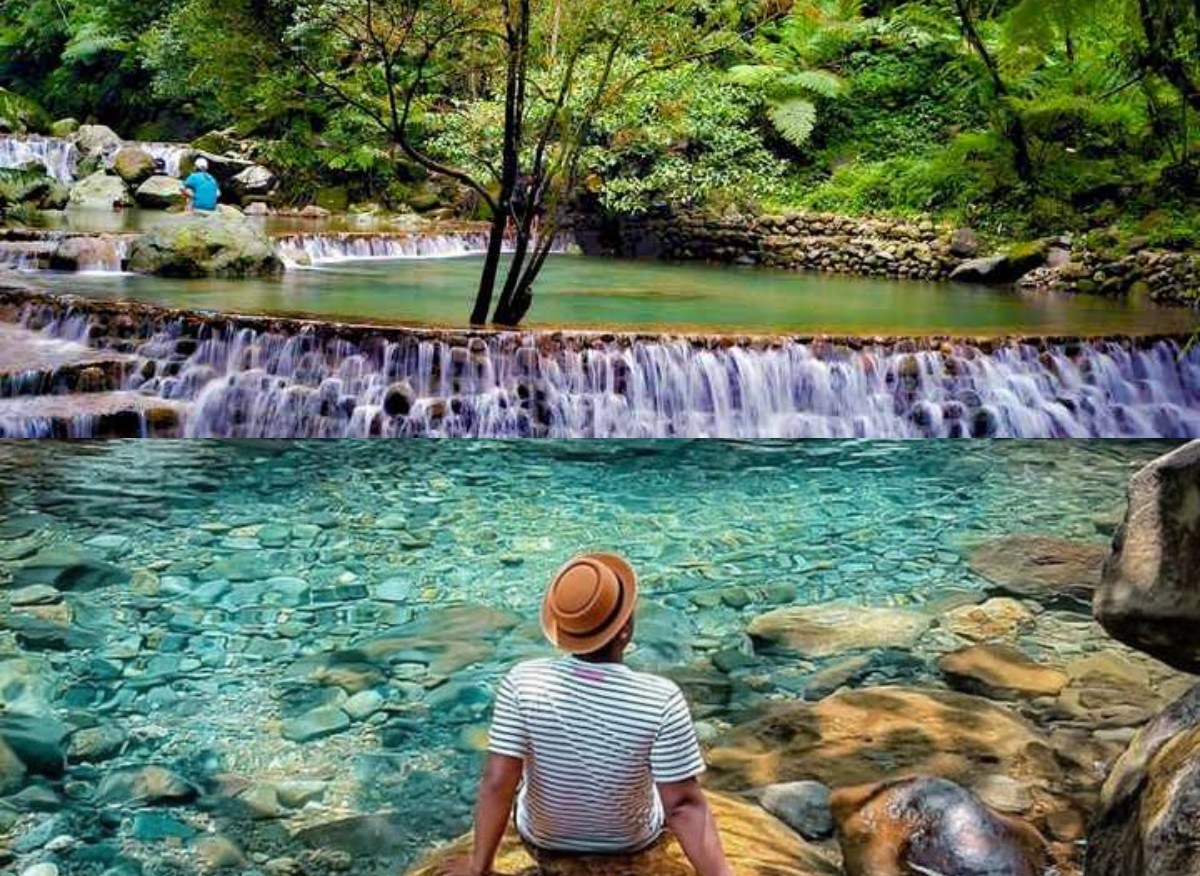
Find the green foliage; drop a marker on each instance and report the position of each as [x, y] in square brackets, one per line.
[682, 138]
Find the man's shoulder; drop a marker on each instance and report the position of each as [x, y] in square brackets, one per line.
[659, 685]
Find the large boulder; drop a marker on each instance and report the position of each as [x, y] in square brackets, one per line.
[101, 252]
[20, 115]
[253, 183]
[221, 243]
[825, 630]
[100, 192]
[1149, 596]
[133, 165]
[1148, 823]
[755, 843]
[865, 735]
[930, 825]
[160, 193]
[96, 141]
[223, 167]
[19, 186]
[1003, 269]
[64, 128]
[1041, 567]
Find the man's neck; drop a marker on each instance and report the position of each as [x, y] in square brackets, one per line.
[603, 657]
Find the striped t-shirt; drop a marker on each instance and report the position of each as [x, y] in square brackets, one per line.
[595, 739]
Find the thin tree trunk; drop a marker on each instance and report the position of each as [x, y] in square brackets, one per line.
[1014, 128]
[520, 251]
[491, 266]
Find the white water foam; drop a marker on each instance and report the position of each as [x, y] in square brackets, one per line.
[247, 384]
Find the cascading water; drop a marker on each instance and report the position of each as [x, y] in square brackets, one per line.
[316, 249]
[242, 382]
[57, 156]
[300, 250]
[171, 155]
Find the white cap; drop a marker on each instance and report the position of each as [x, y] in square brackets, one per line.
[202, 163]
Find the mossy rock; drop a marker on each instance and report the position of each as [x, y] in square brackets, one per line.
[24, 186]
[64, 128]
[133, 165]
[22, 114]
[222, 243]
[1024, 257]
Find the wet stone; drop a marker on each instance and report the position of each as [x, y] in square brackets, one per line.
[802, 806]
[113, 544]
[154, 827]
[315, 724]
[363, 704]
[395, 590]
[69, 570]
[34, 594]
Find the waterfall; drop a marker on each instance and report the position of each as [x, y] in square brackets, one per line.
[25, 255]
[238, 381]
[316, 249]
[299, 250]
[56, 155]
[104, 254]
[171, 154]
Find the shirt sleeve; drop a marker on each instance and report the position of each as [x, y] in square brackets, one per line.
[675, 755]
[508, 735]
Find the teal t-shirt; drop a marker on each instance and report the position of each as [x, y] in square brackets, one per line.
[204, 190]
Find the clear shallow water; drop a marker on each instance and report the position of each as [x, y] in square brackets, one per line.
[596, 293]
[265, 573]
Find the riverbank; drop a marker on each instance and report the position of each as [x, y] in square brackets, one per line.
[223, 375]
[902, 249]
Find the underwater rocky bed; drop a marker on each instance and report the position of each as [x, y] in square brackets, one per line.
[279, 657]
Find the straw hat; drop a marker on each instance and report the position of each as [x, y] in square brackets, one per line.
[589, 601]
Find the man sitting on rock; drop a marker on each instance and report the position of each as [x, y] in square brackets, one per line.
[201, 188]
[608, 756]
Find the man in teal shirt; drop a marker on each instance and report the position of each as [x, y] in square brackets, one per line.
[201, 188]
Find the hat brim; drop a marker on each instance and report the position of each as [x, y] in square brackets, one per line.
[564, 641]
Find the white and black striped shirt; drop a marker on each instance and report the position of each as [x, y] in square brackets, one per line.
[595, 739]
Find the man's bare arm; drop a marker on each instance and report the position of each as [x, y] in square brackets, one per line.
[691, 820]
[497, 788]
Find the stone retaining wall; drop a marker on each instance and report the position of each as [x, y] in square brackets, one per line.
[822, 242]
[1161, 275]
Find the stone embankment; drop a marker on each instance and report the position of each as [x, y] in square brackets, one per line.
[793, 241]
[1162, 276]
[921, 250]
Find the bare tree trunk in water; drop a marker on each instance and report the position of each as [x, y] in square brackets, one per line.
[491, 266]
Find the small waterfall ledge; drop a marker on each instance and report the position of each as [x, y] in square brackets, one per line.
[262, 377]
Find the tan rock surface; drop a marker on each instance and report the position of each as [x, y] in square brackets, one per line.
[829, 629]
[756, 843]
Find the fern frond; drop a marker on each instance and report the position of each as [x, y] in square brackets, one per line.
[794, 119]
[753, 75]
[821, 83]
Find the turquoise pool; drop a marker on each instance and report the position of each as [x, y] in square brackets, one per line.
[220, 599]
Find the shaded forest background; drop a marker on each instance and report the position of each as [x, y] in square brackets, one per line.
[1017, 117]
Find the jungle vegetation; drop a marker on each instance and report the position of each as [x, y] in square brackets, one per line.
[1017, 117]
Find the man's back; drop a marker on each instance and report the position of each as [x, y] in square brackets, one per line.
[205, 190]
[595, 739]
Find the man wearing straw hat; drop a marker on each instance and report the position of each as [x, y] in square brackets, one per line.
[598, 758]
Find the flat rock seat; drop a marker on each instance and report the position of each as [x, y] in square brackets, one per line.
[756, 843]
